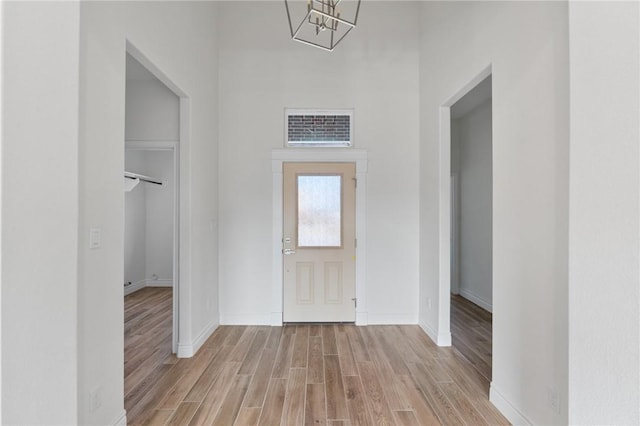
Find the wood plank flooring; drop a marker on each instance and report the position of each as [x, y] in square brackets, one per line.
[320, 374]
[471, 333]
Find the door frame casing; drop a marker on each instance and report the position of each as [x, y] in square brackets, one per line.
[322, 155]
[455, 233]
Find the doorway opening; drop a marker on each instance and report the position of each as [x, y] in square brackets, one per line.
[319, 242]
[471, 198]
[324, 155]
[153, 129]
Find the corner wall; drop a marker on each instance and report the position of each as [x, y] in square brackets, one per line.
[180, 39]
[40, 42]
[135, 229]
[526, 44]
[604, 285]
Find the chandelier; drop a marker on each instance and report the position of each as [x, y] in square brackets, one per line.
[322, 23]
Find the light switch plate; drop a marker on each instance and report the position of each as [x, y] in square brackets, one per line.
[95, 236]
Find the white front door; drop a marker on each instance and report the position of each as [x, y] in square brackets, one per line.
[319, 242]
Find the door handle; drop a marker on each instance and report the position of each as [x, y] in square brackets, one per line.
[288, 252]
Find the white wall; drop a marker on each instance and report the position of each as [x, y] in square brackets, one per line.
[159, 223]
[135, 226]
[40, 213]
[473, 132]
[179, 38]
[604, 289]
[454, 201]
[149, 220]
[152, 112]
[1, 138]
[526, 45]
[375, 72]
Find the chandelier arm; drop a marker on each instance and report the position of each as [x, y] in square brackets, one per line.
[286, 6]
[294, 35]
[355, 20]
[319, 46]
[343, 36]
[335, 18]
[332, 45]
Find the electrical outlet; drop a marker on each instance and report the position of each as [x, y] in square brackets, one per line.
[95, 399]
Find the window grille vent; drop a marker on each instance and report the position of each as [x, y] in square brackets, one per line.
[319, 128]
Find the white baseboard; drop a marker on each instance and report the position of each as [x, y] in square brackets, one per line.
[162, 282]
[276, 319]
[391, 319]
[250, 319]
[440, 339]
[190, 349]
[121, 419]
[362, 318]
[477, 300]
[138, 285]
[506, 407]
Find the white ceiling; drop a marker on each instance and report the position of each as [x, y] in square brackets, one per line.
[473, 99]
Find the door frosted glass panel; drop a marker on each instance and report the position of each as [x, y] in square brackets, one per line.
[319, 211]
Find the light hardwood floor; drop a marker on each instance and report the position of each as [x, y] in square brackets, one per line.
[471, 333]
[329, 374]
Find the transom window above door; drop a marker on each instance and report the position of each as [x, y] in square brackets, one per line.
[318, 128]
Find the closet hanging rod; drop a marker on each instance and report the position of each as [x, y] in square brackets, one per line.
[143, 178]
